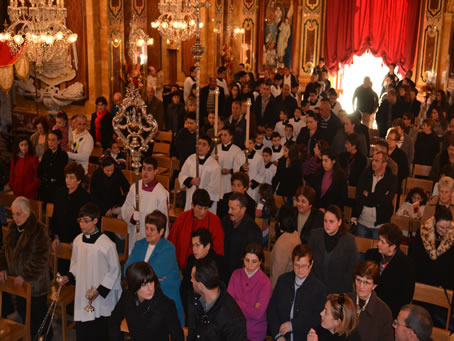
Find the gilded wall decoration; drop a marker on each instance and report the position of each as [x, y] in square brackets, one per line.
[310, 44]
[312, 5]
[115, 8]
[248, 43]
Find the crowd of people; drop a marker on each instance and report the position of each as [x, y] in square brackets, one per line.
[205, 270]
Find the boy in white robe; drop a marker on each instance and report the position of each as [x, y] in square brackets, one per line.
[209, 174]
[280, 126]
[298, 121]
[255, 168]
[269, 130]
[276, 147]
[96, 273]
[270, 167]
[259, 145]
[288, 135]
[230, 158]
[152, 196]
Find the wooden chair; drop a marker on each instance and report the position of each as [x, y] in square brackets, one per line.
[175, 211]
[162, 143]
[120, 227]
[10, 330]
[363, 244]
[410, 183]
[260, 222]
[165, 165]
[130, 175]
[37, 208]
[48, 215]
[406, 223]
[164, 180]
[434, 295]
[97, 152]
[67, 293]
[6, 199]
[351, 192]
[91, 169]
[421, 170]
[403, 248]
[439, 334]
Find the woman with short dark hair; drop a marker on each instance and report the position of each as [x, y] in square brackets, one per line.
[397, 276]
[160, 254]
[39, 138]
[109, 187]
[148, 312]
[308, 217]
[375, 318]
[335, 252]
[251, 289]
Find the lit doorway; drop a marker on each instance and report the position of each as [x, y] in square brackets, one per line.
[350, 76]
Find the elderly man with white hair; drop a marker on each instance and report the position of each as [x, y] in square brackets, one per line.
[25, 255]
[444, 197]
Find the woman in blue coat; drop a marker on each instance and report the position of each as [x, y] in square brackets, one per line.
[160, 254]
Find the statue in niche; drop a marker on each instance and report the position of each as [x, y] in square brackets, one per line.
[59, 70]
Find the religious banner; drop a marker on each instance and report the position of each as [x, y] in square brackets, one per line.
[9, 62]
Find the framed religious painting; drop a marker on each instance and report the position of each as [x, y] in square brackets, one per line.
[277, 27]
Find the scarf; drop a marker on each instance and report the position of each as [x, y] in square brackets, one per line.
[99, 117]
[428, 239]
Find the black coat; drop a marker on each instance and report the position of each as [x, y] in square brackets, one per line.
[426, 148]
[204, 98]
[236, 239]
[107, 191]
[271, 114]
[337, 273]
[106, 129]
[223, 206]
[66, 211]
[397, 281]
[183, 145]
[51, 173]
[314, 221]
[353, 167]
[381, 199]
[309, 301]
[328, 129]
[309, 141]
[156, 318]
[433, 272]
[287, 180]
[403, 171]
[223, 322]
[288, 104]
[336, 193]
[186, 289]
[397, 110]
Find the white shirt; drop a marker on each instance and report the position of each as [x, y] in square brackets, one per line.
[150, 250]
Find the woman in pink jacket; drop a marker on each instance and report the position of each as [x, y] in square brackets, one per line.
[23, 179]
[251, 289]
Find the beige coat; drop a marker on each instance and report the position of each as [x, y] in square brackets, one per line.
[281, 256]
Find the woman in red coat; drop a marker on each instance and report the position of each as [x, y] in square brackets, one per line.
[23, 178]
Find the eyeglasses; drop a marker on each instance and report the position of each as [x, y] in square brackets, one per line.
[302, 266]
[340, 301]
[397, 324]
[84, 221]
[363, 282]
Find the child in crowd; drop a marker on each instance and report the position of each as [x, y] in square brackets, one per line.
[115, 152]
[298, 121]
[266, 209]
[288, 134]
[280, 126]
[259, 145]
[314, 100]
[276, 147]
[95, 271]
[270, 168]
[269, 129]
[414, 204]
[255, 168]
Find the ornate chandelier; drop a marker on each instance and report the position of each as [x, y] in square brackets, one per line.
[177, 21]
[40, 29]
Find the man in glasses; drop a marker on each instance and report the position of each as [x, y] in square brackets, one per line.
[413, 324]
[212, 313]
[297, 299]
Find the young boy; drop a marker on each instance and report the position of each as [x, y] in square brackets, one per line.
[280, 126]
[298, 121]
[288, 134]
[95, 271]
[269, 129]
[276, 88]
[115, 152]
[255, 168]
[259, 145]
[314, 99]
[270, 168]
[276, 147]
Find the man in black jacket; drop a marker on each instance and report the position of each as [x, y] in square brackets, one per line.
[239, 230]
[184, 143]
[207, 99]
[391, 108]
[265, 108]
[329, 123]
[374, 197]
[297, 299]
[213, 315]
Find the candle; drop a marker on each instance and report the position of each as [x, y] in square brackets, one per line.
[248, 120]
[216, 117]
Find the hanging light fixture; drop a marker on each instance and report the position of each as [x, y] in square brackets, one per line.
[38, 29]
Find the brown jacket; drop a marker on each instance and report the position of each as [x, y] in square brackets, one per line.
[281, 255]
[29, 258]
[431, 207]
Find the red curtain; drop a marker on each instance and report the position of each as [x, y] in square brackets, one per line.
[388, 28]
[6, 57]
